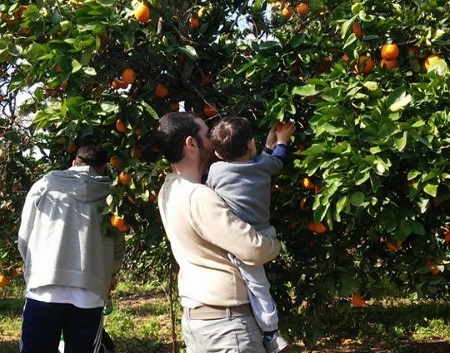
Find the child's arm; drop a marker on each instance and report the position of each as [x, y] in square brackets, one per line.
[271, 141]
[283, 132]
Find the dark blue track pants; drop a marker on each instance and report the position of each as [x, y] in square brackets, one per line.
[43, 324]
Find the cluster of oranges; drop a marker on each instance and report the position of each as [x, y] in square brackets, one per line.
[127, 77]
[301, 9]
[389, 55]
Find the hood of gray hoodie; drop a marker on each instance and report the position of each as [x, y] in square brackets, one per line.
[81, 183]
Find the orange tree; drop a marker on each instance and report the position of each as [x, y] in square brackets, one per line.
[363, 201]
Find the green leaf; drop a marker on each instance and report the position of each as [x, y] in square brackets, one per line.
[76, 66]
[413, 174]
[357, 198]
[401, 142]
[398, 99]
[306, 90]
[345, 27]
[431, 189]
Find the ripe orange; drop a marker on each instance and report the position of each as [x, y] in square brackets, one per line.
[447, 237]
[117, 84]
[114, 161]
[142, 13]
[431, 60]
[209, 110]
[394, 246]
[286, 12]
[194, 22]
[318, 228]
[434, 270]
[390, 51]
[124, 178]
[358, 300]
[389, 64]
[308, 184]
[117, 221]
[120, 126]
[302, 8]
[364, 65]
[161, 91]
[137, 152]
[4, 281]
[123, 228]
[356, 28]
[305, 203]
[72, 148]
[128, 76]
[174, 106]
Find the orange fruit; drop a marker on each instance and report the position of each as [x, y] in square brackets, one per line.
[194, 22]
[120, 126]
[389, 64]
[128, 76]
[358, 300]
[390, 51]
[356, 28]
[305, 203]
[142, 13]
[161, 91]
[123, 228]
[174, 106]
[209, 110]
[434, 270]
[316, 227]
[302, 8]
[4, 281]
[117, 84]
[308, 184]
[286, 12]
[114, 161]
[447, 237]
[137, 152]
[117, 221]
[72, 148]
[364, 65]
[394, 246]
[124, 178]
[431, 60]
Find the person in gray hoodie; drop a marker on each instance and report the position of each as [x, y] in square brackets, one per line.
[68, 262]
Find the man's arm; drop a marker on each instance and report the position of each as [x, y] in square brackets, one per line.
[27, 219]
[214, 222]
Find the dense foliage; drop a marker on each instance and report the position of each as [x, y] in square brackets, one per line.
[363, 201]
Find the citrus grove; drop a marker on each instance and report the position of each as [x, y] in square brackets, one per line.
[363, 201]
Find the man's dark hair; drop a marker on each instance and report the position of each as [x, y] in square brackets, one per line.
[91, 155]
[172, 132]
[230, 137]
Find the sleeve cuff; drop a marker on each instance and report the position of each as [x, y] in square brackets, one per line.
[267, 150]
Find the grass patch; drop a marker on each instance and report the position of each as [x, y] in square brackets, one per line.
[140, 323]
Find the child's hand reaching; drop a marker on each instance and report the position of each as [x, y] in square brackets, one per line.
[271, 138]
[284, 131]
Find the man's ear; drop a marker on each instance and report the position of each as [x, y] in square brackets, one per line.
[218, 155]
[190, 142]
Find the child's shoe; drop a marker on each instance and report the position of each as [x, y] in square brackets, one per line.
[274, 343]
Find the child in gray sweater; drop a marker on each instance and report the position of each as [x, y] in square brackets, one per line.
[243, 180]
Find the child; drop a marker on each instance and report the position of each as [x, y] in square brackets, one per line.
[243, 180]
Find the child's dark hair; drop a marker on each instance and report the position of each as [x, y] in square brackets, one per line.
[230, 137]
[92, 155]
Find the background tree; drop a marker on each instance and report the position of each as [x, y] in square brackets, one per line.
[364, 201]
